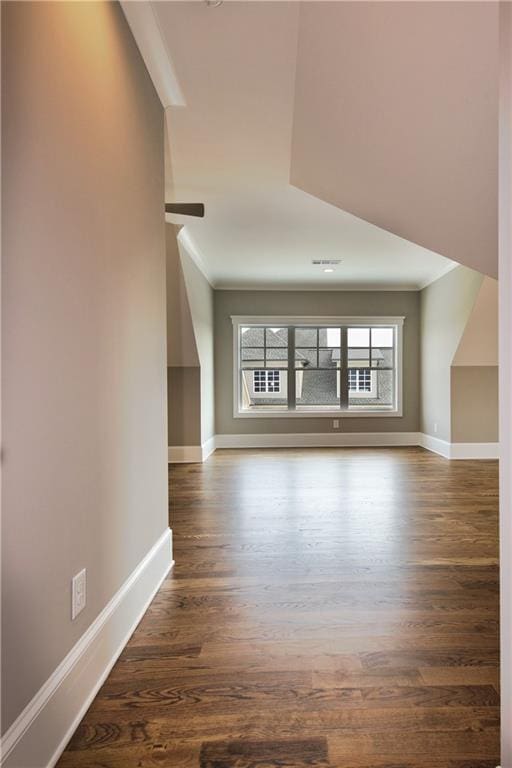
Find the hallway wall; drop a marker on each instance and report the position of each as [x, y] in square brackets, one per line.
[83, 328]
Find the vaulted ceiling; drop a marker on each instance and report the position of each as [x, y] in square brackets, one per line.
[365, 132]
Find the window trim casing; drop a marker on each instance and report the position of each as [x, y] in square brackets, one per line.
[355, 321]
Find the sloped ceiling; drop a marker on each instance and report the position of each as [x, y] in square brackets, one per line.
[396, 119]
[286, 95]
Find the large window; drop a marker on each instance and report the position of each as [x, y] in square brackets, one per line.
[304, 366]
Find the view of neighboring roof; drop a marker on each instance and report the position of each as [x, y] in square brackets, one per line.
[277, 341]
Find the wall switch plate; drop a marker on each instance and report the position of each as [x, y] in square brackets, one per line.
[335, 423]
[435, 427]
[78, 593]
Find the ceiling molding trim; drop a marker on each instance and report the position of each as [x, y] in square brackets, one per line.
[145, 28]
[185, 242]
[444, 272]
[329, 288]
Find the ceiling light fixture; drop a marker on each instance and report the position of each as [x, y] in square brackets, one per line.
[329, 269]
[213, 3]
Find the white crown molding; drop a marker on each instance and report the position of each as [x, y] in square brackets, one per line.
[145, 27]
[313, 287]
[448, 268]
[41, 732]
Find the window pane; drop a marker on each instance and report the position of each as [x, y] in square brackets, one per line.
[358, 337]
[252, 337]
[327, 359]
[306, 358]
[264, 390]
[277, 337]
[358, 358]
[382, 357]
[252, 358]
[329, 337]
[305, 337]
[317, 389]
[277, 357]
[382, 337]
[381, 394]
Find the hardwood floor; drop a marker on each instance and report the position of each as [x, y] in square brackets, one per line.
[328, 608]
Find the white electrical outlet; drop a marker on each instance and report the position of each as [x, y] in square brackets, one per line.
[435, 427]
[335, 423]
[78, 593]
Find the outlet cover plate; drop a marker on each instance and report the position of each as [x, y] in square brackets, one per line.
[78, 593]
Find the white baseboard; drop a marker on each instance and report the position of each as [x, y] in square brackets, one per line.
[39, 735]
[475, 451]
[199, 453]
[185, 454]
[460, 450]
[436, 445]
[318, 440]
[191, 454]
[208, 447]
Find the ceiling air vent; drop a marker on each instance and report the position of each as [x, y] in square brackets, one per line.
[326, 262]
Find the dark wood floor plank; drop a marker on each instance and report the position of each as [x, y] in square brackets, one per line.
[331, 608]
[265, 754]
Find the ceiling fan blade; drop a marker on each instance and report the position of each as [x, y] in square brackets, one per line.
[185, 209]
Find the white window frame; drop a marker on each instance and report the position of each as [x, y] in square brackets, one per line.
[277, 321]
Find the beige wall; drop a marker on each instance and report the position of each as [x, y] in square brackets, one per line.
[446, 306]
[83, 326]
[474, 373]
[314, 303]
[184, 399]
[479, 343]
[474, 404]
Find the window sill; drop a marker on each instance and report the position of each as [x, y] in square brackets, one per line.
[335, 414]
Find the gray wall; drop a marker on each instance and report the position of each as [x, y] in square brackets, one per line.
[200, 298]
[315, 303]
[181, 340]
[184, 371]
[83, 326]
[446, 306]
[474, 404]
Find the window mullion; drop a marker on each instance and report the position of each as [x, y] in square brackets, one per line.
[292, 395]
[343, 368]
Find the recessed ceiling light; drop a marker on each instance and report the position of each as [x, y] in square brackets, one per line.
[213, 3]
[329, 269]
